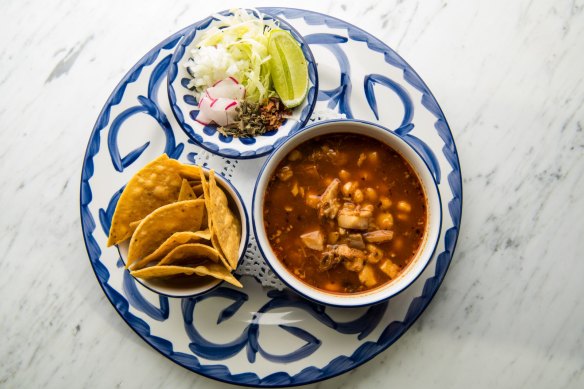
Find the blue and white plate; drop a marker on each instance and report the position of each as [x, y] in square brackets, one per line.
[184, 104]
[255, 336]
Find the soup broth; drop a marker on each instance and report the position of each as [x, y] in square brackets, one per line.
[345, 213]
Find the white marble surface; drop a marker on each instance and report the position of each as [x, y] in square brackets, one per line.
[509, 78]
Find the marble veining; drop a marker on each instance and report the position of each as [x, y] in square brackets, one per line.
[508, 78]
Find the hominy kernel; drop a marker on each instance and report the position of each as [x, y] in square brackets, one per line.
[385, 221]
[373, 157]
[404, 206]
[371, 194]
[344, 175]
[349, 188]
[385, 203]
[295, 155]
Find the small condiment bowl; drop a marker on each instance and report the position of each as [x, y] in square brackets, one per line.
[431, 235]
[184, 105]
[189, 286]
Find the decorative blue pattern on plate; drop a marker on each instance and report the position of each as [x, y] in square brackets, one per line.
[254, 336]
[184, 104]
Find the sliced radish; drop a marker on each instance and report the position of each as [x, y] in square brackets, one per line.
[218, 103]
[204, 107]
[221, 111]
[228, 88]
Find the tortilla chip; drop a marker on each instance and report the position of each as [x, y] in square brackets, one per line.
[206, 195]
[203, 234]
[198, 189]
[161, 224]
[175, 240]
[209, 204]
[134, 225]
[210, 269]
[156, 184]
[190, 172]
[186, 192]
[190, 252]
[226, 226]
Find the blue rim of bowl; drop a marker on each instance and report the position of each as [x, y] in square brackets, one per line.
[255, 226]
[331, 370]
[245, 241]
[215, 148]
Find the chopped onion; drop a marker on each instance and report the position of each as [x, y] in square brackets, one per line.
[235, 46]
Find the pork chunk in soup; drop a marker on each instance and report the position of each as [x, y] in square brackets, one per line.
[345, 213]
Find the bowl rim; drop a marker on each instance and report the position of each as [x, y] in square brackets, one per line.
[245, 232]
[215, 148]
[339, 300]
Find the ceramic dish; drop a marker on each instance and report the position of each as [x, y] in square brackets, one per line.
[257, 336]
[185, 290]
[184, 105]
[428, 245]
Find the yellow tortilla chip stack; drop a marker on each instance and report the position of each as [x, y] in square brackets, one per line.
[156, 184]
[161, 224]
[180, 225]
[211, 269]
[175, 240]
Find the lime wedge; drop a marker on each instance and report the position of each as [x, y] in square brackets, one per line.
[288, 68]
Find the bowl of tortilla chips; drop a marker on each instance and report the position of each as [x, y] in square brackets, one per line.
[181, 229]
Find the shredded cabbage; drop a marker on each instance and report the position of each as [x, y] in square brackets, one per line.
[234, 46]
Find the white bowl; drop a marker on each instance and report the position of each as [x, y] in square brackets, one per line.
[434, 209]
[187, 290]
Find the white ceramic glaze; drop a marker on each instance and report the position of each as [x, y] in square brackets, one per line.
[267, 337]
[431, 235]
